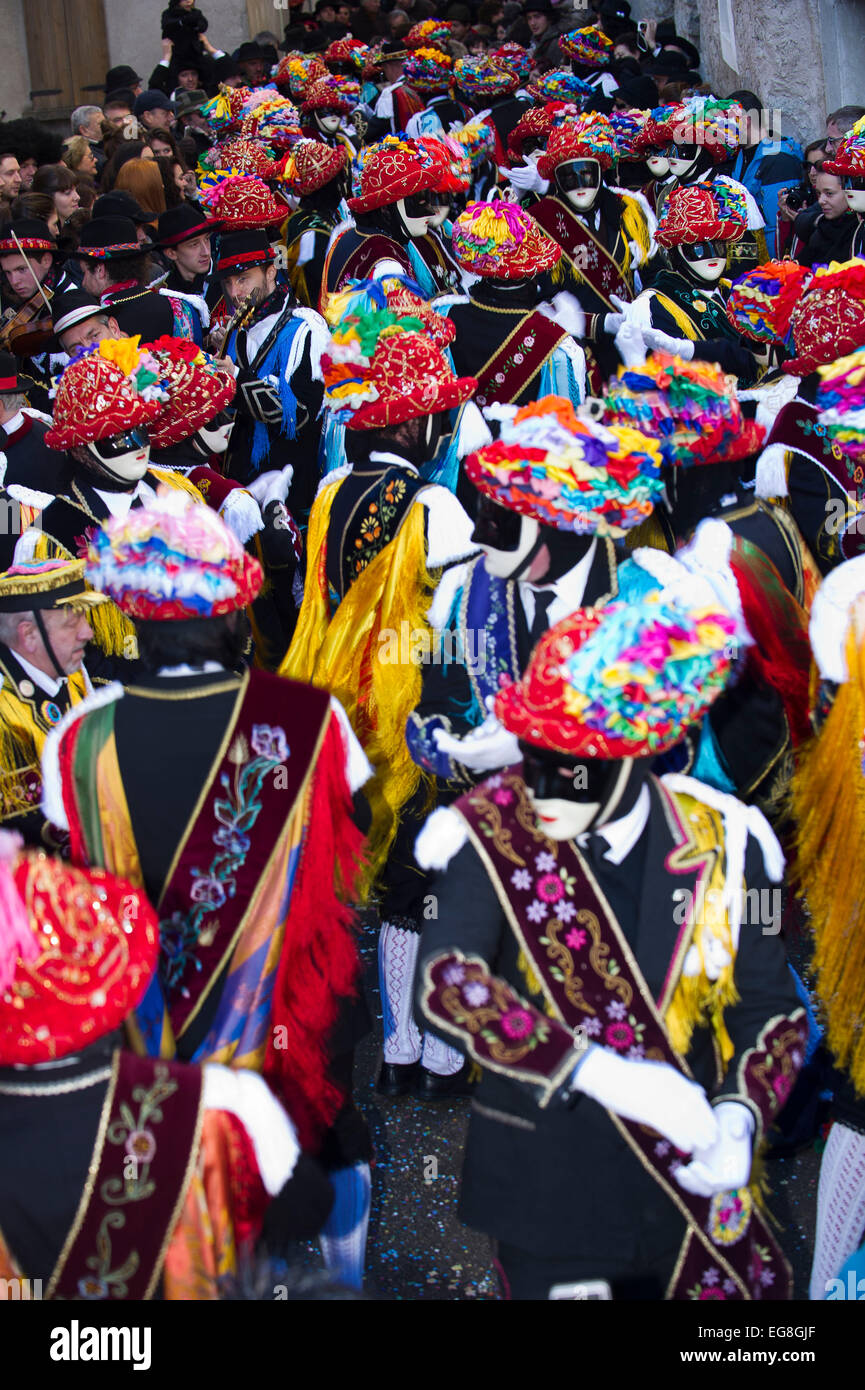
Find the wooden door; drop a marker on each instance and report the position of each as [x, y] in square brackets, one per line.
[68, 52]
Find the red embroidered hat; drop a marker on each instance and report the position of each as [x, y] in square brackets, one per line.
[241, 156]
[197, 390]
[849, 157]
[481, 79]
[392, 169]
[243, 202]
[699, 213]
[326, 94]
[586, 137]
[829, 320]
[408, 377]
[536, 123]
[85, 949]
[311, 164]
[503, 242]
[347, 50]
[98, 397]
[654, 136]
[296, 70]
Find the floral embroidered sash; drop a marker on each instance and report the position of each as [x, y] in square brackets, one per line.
[143, 1158]
[518, 360]
[211, 888]
[590, 980]
[591, 261]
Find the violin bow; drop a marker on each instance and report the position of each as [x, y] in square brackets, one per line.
[25, 257]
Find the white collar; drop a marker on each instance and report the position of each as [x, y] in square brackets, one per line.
[119, 503]
[49, 684]
[377, 457]
[14, 423]
[621, 835]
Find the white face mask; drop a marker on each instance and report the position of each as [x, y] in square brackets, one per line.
[216, 441]
[658, 166]
[502, 564]
[709, 270]
[583, 198]
[856, 199]
[564, 820]
[415, 226]
[127, 468]
[681, 167]
[330, 123]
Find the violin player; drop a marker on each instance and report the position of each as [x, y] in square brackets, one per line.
[30, 273]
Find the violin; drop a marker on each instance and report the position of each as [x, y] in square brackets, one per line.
[29, 330]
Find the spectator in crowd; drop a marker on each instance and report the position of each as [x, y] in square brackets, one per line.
[39, 205]
[59, 183]
[832, 231]
[10, 179]
[126, 150]
[124, 76]
[79, 157]
[154, 111]
[767, 163]
[119, 105]
[143, 179]
[838, 123]
[368, 22]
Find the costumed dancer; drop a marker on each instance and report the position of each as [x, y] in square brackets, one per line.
[803, 465]
[605, 233]
[591, 55]
[31, 275]
[44, 632]
[598, 1080]
[325, 103]
[118, 271]
[379, 537]
[30, 473]
[261, 773]
[276, 346]
[319, 178]
[490, 91]
[196, 1162]
[828, 799]
[518, 347]
[430, 72]
[550, 498]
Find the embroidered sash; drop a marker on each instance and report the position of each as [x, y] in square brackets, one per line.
[142, 1165]
[362, 260]
[589, 258]
[590, 980]
[519, 359]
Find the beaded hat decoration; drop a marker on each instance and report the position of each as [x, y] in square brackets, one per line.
[690, 408]
[429, 70]
[841, 404]
[482, 79]
[395, 168]
[311, 164]
[74, 962]
[515, 57]
[242, 202]
[329, 94]
[829, 320]
[627, 128]
[560, 85]
[702, 212]
[717, 126]
[588, 136]
[571, 473]
[428, 32]
[197, 390]
[589, 46]
[761, 301]
[347, 50]
[626, 680]
[172, 560]
[500, 240]
[850, 155]
[108, 389]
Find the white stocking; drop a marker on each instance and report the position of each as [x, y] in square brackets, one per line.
[840, 1205]
[439, 1058]
[397, 957]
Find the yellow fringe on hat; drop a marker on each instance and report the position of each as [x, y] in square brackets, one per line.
[829, 866]
[113, 632]
[697, 1000]
[348, 655]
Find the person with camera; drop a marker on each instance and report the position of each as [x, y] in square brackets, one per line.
[831, 234]
[797, 205]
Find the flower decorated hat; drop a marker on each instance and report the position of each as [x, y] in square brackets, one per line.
[427, 32]
[585, 137]
[347, 50]
[482, 79]
[394, 168]
[296, 70]
[589, 46]
[243, 202]
[829, 320]
[561, 84]
[716, 126]
[500, 240]
[238, 155]
[568, 472]
[535, 123]
[78, 949]
[656, 134]
[327, 94]
[702, 212]
[197, 390]
[627, 129]
[311, 164]
[626, 680]
[850, 155]
[364, 309]
[761, 301]
[841, 404]
[690, 408]
[109, 389]
[513, 56]
[172, 560]
[429, 70]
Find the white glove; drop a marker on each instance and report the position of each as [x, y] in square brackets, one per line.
[656, 341]
[272, 486]
[650, 1093]
[726, 1163]
[525, 178]
[630, 345]
[486, 748]
[613, 322]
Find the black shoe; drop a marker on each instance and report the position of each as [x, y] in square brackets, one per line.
[395, 1079]
[430, 1086]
